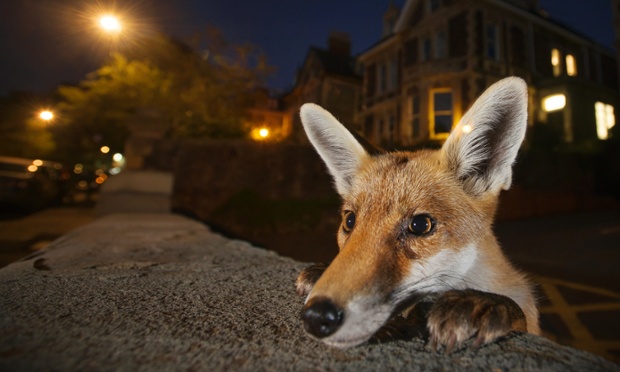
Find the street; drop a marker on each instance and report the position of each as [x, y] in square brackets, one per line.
[583, 248]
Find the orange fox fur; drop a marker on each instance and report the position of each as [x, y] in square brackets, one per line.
[420, 223]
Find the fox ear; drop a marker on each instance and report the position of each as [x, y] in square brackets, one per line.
[342, 154]
[484, 145]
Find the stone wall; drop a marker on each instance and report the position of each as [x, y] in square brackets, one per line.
[241, 185]
[281, 197]
[264, 192]
[172, 295]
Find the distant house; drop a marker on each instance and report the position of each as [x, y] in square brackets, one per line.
[328, 77]
[265, 119]
[437, 56]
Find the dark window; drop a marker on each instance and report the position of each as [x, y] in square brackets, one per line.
[443, 124]
[368, 126]
[415, 104]
[426, 49]
[440, 45]
[411, 52]
[465, 94]
[479, 32]
[382, 82]
[391, 129]
[457, 36]
[442, 112]
[492, 42]
[443, 101]
[415, 114]
[518, 51]
[542, 54]
[371, 80]
[610, 72]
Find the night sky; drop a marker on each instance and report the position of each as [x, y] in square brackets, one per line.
[44, 43]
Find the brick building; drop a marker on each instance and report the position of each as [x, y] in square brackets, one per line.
[437, 56]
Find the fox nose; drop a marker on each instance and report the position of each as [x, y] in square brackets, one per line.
[322, 318]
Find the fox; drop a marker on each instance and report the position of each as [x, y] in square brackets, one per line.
[417, 228]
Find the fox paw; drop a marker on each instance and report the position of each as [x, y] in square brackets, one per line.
[308, 277]
[458, 315]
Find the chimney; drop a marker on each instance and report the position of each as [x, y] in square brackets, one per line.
[389, 19]
[339, 43]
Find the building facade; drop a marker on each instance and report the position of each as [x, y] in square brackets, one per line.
[440, 55]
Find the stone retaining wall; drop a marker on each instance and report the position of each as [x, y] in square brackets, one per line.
[162, 292]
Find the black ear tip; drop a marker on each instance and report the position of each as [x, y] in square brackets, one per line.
[371, 149]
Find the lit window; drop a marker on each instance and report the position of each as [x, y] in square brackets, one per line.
[571, 65]
[555, 62]
[441, 120]
[554, 102]
[605, 119]
[492, 42]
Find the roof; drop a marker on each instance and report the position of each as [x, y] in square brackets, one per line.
[535, 14]
[335, 64]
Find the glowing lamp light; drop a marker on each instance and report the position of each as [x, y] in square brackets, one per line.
[554, 102]
[260, 134]
[32, 168]
[46, 115]
[110, 23]
[104, 149]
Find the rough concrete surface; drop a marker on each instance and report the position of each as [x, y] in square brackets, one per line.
[136, 192]
[162, 292]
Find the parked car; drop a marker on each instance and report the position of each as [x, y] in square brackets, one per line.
[30, 183]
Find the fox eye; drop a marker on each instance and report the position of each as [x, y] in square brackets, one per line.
[349, 221]
[421, 224]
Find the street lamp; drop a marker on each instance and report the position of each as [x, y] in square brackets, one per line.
[46, 115]
[110, 24]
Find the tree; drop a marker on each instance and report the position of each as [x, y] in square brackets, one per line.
[200, 94]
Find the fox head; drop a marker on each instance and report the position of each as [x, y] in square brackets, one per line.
[412, 222]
